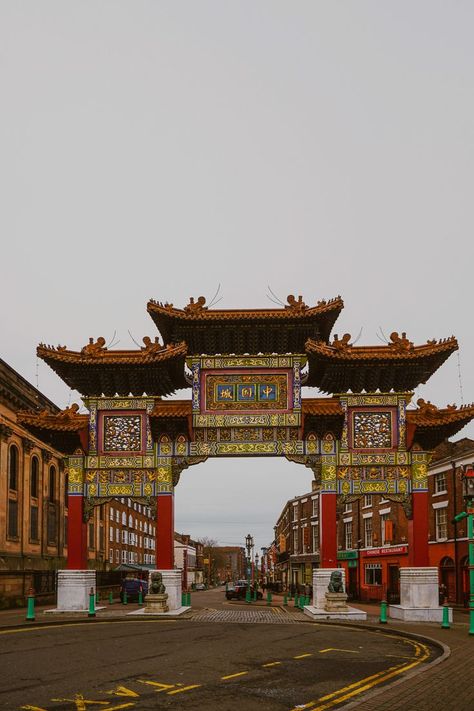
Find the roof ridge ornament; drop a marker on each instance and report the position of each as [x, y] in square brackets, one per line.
[94, 348]
[343, 344]
[152, 346]
[195, 307]
[295, 304]
[427, 408]
[400, 343]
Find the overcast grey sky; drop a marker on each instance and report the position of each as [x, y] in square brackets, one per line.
[156, 149]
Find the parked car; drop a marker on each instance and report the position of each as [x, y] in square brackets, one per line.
[200, 586]
[239, 590]
[132, 587]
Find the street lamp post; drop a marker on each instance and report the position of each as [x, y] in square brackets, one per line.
[248, 546]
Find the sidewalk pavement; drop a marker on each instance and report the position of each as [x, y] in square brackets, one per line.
[446, 685]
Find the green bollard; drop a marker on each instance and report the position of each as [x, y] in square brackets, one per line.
[124, 597]
[140, 595]
[445, 623]
[248, 599]
[383, 612]
[111, 598]
[189, 599]
[30, 613]
[285, 600]
[183, 599]
[91, 603]
[296, 600]
[269, 598]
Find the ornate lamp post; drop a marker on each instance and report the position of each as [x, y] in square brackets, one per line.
[248, 546]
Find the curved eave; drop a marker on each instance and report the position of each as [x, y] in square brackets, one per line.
[256, 330]
[119, 372]
[321, 415]
[429, 430]
[64, 434]
[171, 416]
[374, 368]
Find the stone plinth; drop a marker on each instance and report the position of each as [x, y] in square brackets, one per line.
[321, 578]
[74, 587]
[156, 603]
[336, 602]
[318, 611]
[419, 596]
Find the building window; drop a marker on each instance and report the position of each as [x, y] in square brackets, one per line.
[13, 468]
[91, 536]
[34, 523]
[34, 477]
[367, 500]
[348, 535]
[315, 545]
[124, 556]
[117, 516]
[315, 507]
[12, 518]
[111, 534]
[441, 524]
[52, 483]
[52, 524]
[124, 536]
[117, 556]
[440, 483]
[295, 513]
[368, 532]
[124, 518]
[348, 508]
[373, 573]
[384, 529]
[117, 535]
[295, 541]
[111, 556]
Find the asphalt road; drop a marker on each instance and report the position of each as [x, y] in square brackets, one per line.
[275, 662]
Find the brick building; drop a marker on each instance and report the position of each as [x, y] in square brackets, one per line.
[297, 540]
[34, 505]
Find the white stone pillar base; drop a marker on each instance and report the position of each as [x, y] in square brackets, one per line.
[74, 587]
[316, 611]
[419, 597]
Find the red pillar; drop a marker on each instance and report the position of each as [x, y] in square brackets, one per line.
[418, 530]
[76, 534]
[327, 531]
[165, 532]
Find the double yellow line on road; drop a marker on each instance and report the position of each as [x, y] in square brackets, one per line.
[347, 692]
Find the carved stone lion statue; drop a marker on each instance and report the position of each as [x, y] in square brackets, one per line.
[157, 587]
[335, 582]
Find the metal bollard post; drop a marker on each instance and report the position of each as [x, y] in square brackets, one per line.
[91, 603]
[183, 599]
[285, 600]
[140, 596]
[269, 598]
[383, 612]
[445, 623]
[124, 597]
[30, 613]
[296, 600]
[111, 598]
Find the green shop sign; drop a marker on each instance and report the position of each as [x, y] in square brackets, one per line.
[347, 555]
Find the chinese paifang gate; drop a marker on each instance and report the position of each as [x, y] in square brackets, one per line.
[245, 371]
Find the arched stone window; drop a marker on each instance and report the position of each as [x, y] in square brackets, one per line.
[34, 477]
[13, 468]
[52, 483]
[12, 513]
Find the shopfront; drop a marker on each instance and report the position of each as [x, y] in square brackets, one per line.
[380, 573]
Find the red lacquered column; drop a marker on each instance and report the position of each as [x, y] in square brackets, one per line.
[418, 530]
[76, 534]
[327, 531]
[165, 532]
